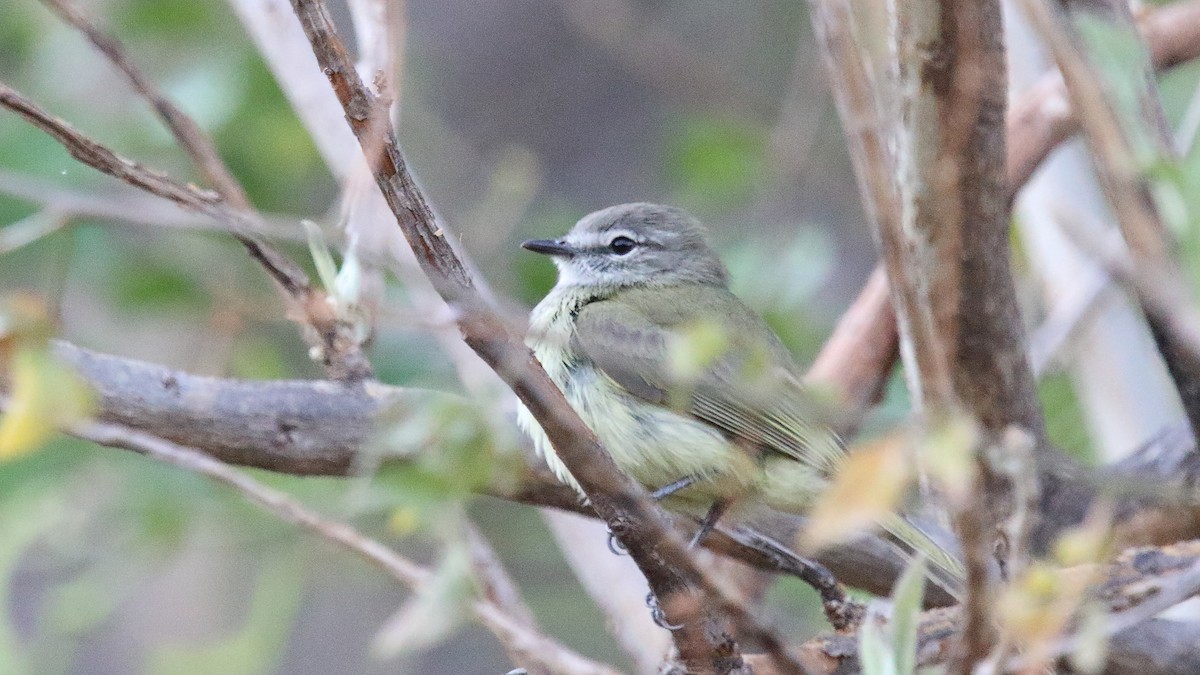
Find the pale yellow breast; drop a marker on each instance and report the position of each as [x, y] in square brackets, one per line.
[654, 445]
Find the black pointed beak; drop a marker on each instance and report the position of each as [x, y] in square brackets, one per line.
[548, 247]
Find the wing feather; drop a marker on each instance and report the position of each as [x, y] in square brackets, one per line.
[752, 391]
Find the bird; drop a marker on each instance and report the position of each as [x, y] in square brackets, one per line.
[689, 391]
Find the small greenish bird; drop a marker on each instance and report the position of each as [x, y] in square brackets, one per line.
[691, 393]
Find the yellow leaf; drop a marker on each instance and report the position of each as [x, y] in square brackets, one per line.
[404, 521]
[947, 455]
[1040, 604]
[1089, 542]
[869, 486]
[45, 396]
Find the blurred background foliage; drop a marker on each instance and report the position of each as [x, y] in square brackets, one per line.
[519, 117]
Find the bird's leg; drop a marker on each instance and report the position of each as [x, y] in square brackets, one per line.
[714, 514]
[658, 495]
[668, 490]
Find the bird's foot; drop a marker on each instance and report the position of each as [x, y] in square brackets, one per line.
[656, 613]
[714, 514]
[615, 544]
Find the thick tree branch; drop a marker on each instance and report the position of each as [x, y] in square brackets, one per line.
[1039, 121]
[318, 428]
[948, 260]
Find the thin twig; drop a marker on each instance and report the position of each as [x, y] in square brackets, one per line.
[1127, 188]
[497, 587]
[508, 628]
[972, 523]
[341, 352]
[1162, 295]
[194, 141]
[344, 359]
[187, 133]
[31, 228]
[128, 205]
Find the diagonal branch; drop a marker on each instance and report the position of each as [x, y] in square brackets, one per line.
[187, 133]
[341, 352]
[1115, 153]
[240, 223]
[515, 632]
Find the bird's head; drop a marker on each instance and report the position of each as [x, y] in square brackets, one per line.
[634, 245]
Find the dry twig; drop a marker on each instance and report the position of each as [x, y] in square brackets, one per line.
[1126, 187]
[514, 632]
[341, 352]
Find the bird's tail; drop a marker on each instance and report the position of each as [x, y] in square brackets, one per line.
[945, 569]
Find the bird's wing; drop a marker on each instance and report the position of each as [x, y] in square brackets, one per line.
[741, 379]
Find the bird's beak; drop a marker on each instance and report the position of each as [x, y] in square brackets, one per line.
[548, 247]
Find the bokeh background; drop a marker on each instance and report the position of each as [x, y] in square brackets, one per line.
[519, 117]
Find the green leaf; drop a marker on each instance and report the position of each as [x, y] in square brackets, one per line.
[874, 652]
[149, 286]
[716, 163]
[907, 599]
[322, 258]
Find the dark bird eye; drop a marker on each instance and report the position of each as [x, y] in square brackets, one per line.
[622, 245]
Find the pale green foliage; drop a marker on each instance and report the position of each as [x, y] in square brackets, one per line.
[321, 256]
[891, 648]
[452, 448]
[1091, 649]
[255, 646]
[438, 608]
[1122, 61]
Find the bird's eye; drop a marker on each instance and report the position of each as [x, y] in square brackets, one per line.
[622, 245]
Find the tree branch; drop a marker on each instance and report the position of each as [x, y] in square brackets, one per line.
[948, 260]
[1135, 587]
[1114, 151]
[1039, 121]
[342, 353]
[343, 358]
[514, 632]
[705, 642]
